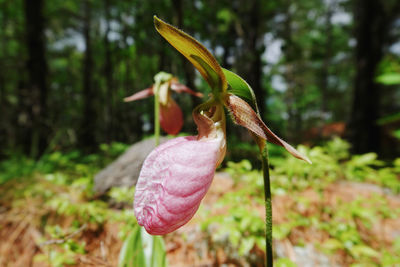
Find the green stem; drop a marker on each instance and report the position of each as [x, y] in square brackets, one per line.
[268, 206]
[156, 117]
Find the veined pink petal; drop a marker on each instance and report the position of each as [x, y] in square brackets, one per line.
[171, 117]
[140, 95]
[173, 181]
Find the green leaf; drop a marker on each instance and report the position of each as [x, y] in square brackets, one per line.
[246, 245]
[281, 231]
[362, 250]
[332, 244]
[396, 133]
[195, 52]
[389, 78]
[284, 262]
[154, 249]
[392, 118]
[130, 255]
[240, 88]
[142, 250]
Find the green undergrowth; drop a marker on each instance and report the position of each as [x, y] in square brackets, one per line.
[55, 194]
[346, 231]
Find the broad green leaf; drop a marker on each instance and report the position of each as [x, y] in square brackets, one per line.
[195, 52]
[142, 250]
[389, 78]
[240, 88]
[154, 250]
[131, 254]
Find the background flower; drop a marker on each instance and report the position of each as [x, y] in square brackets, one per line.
[171, 117]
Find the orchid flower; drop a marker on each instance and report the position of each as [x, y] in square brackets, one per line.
[176, 175]
[171, 118]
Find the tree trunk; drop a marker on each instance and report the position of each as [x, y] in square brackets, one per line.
[36, 130]
[88, 127]
[250, 66]
[371, 30]
[292, 94]
[324, 75]
[187, 66]
[108, 72]
[133, 129]
[4, 118]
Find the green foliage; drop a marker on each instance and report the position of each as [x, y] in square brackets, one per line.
[15, 167]
[72, 163]
[122, 194]
[389, 78]
[68, 248]
[63, 185]
[240, 229]
[283, 262]
[142, 250]
[389, 71]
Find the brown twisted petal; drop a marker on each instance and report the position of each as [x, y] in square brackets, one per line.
[245, 116]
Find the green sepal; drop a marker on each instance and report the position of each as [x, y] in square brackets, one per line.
[195, 52]
[239, 87]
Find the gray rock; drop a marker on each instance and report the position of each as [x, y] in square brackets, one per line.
[124, 171]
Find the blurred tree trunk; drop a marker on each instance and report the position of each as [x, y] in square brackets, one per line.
[4, 118]
[290, 48]
[188, 69]
[132, 130]
[250, 64]
[35, 134]
[88, 127]
[372, 26]
[187, 66]
[324, 75]
[108, 73]
[3, 129]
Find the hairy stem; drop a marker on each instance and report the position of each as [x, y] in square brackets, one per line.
[268, 206]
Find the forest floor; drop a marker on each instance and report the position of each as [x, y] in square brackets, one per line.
[26, 242]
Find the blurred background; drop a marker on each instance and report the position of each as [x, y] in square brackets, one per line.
[318, 68]
[323, 71]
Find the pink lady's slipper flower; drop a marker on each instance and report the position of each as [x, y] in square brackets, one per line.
[177, 174]
[171, 118]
